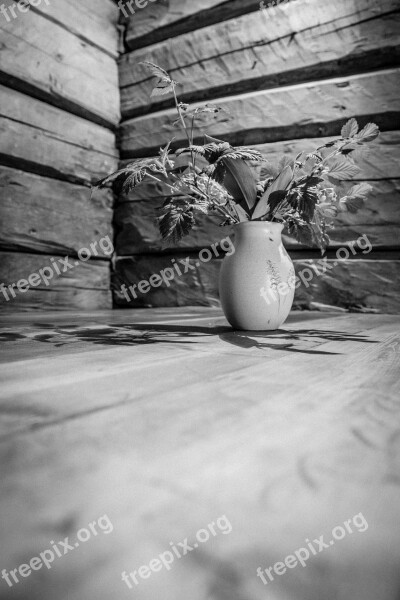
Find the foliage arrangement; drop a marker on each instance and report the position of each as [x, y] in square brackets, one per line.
[302, 193]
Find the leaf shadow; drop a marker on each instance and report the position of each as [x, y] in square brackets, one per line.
[304, 341]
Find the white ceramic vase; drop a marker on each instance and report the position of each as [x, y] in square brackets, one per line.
[257, 281]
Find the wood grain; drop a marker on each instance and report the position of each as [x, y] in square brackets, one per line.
[42, 58]
[301, 41]
[352, 284]
[92, 21]
[85, 286]
[168, 18]
[40, 138]
[288, 435]
[50, 216]
[298, 111]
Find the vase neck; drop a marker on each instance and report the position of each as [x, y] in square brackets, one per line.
[261, 230]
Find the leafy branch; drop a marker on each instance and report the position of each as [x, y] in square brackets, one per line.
[301, 192]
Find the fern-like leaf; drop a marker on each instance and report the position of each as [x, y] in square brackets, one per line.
[242, 154]
[176, 220]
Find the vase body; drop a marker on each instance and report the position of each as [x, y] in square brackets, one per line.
[257, 281]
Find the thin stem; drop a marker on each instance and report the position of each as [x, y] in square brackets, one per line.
[178, 108]
[174, 189]
[224, 212]
[171, 187]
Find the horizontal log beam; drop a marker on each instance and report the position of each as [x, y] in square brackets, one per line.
[40, 57]
[39, 214]
[93, 22]
[86, 286]
[360, 285]
[48, 141]
[293, 112]
[169, 18]
[300, 41]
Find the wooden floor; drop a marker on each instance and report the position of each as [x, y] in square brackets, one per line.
[167, 420]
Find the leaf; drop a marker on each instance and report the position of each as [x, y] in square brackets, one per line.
[326, 209]
[162, 88]
[155, 70]
[132, 181]
[301, 231]
[285, 161]
[134, 173]
[353, 204]
[211, 152]
[314, 156]
[176, 221]
[164, 84]
[280, 183]
[342, 169]
[268, 170]
[275, 199]
[164, 156]
[350, 129]
[240, 182]
[354, 199]
[243, 154]
[369, 133]
[209, 108]
[360, 190]
[241, 213]
[307, 202]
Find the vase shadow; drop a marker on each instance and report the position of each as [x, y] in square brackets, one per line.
[133, 334]
[291, 341]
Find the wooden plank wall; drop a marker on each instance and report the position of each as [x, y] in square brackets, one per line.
[290, 76]
[59, 111]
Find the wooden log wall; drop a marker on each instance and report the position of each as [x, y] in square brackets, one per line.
[290, 76]
[59, 111]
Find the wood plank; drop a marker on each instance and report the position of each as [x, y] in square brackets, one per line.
[92, 21]
[50, 216]
[148, 28]
[355, 284]
[168, 18]
[42, 58]
[69, 334]
[300, 41]
[43, 139]
[298, 111]
[299, 475]
[85, 286]
[137, 230]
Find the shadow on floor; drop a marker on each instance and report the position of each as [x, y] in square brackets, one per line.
[301, 340]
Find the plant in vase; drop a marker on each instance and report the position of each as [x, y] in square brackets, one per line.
[302, 195]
